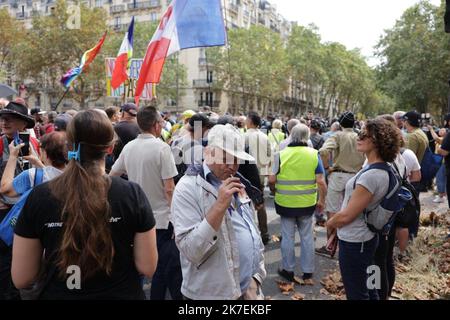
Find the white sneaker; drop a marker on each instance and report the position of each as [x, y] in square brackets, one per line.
[439, 199]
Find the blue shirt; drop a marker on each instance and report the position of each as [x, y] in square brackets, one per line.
[25, 180]
[247, 237]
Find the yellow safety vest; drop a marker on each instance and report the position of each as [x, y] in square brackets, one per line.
[275, 139]
[296, 185]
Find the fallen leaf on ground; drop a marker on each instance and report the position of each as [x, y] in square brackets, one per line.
[324, 292]
[298, 296]
[286, 287]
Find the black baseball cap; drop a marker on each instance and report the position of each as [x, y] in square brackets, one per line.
[413, 118]
[131, 108]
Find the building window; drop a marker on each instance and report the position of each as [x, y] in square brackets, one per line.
[206, 98]
[209, 77]
[98, 3]
[117, 22]
[153, 16]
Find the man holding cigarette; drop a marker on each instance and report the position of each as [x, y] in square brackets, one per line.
[221, 252]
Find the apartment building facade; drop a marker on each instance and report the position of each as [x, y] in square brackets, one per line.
[200, 90]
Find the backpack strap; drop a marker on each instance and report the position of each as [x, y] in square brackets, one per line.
[38, 177]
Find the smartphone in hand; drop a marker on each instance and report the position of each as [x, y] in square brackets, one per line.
[24, 137]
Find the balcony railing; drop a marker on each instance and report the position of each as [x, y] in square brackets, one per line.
[233, 8]
[202, 83]
[215, 103]
[262, 20]
[21, 15]
[144, 5]
[117, 8]
[203, 62]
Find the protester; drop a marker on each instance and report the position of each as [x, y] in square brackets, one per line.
[347, 161]
[290, 125]
[113, 114]
[241, 124]
[83, 218]
[62, 121]
[49, 125]
[72, 112]
[380, 142]
[179, 129]
[440, 176]
[296, 193]
[417, 140]
[316, 138]
[53, 160]
[276, 135]
[127, 128]
[36, 113]
[399, 121]
[148, 161]
[335, 127]
[222, 255]
[188, 149]
[444, 150]
[260, 149]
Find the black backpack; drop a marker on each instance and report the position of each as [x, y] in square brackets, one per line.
[407, 217]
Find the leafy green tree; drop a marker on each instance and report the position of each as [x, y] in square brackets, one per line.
[306, 54]
[50, 49]
[11, 32]
[416, 59]
[253, 69]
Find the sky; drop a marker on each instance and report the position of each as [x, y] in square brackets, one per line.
[354, 23]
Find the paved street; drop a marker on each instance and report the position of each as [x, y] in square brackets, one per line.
[273, 261]
[323, 265]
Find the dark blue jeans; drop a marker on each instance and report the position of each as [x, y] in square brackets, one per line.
[168, 271]
[7, 289]
[354, 259]
[414, 228]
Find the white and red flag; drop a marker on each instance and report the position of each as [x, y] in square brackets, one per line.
[185, 24]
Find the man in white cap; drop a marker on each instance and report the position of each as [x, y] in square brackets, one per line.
[221, 252]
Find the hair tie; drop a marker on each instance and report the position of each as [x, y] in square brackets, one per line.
[74, 154]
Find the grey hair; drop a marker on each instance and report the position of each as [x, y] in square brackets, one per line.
[335, 126]
[292, 123]
[277, 124]
[399, 114]
[300, 134]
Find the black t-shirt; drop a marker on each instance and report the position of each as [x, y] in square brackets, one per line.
[446, 146]
[130, 214]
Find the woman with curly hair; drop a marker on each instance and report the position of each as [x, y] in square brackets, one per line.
[380, 141]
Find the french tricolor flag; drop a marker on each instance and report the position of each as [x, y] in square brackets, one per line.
[120, 72]
[185, 24]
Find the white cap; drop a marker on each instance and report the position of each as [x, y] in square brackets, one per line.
[230, 140]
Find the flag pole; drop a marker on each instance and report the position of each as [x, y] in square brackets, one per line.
[65, 93]
[178, 81]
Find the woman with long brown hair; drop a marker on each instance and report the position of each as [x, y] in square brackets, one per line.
[96, 233]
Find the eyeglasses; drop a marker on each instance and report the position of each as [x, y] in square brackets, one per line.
[363, 135]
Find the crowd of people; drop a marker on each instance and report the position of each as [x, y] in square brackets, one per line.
[127, 193]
